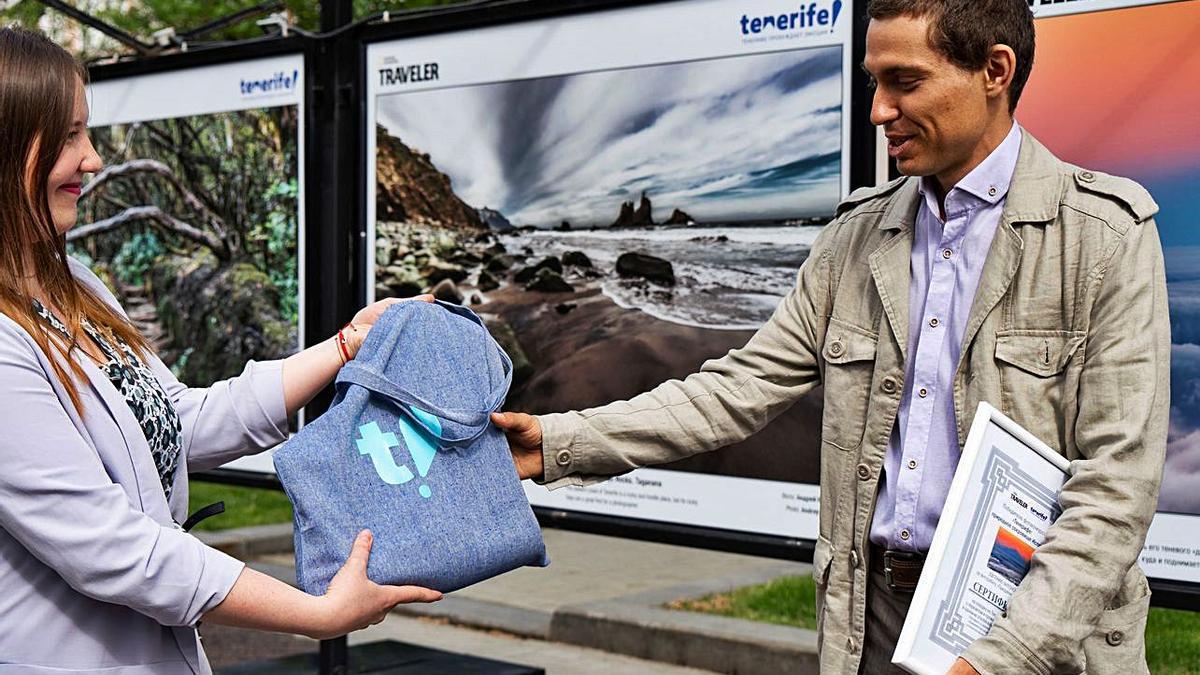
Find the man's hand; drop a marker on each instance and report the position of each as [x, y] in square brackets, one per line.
[524, 434]
[961, 667]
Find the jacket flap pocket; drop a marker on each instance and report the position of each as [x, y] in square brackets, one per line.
[822, 557]
[845, 342]
[1040, 352]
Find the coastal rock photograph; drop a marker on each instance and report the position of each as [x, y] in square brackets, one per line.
[614, 239]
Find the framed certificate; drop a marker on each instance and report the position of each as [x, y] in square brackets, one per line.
[1002, 500]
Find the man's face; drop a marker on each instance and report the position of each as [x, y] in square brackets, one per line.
[933, 113]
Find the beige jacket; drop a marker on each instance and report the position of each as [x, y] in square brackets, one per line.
[1068, 335]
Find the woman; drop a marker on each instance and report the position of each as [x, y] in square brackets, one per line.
[97, 436]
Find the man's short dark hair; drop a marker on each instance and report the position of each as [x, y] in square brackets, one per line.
[964, 31]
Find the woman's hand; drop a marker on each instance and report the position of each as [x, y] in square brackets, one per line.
[311, 370]
[360, 325]
[353, 601]
[524, 434]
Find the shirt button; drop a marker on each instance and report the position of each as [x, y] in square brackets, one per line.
[1114, 637]
[904, 535]
[946, 253]
[835, 349]
[923, 393]
[1087, 176]
[992, 191]
[864, 471]
[933, 323]
[889, 385]
[854, 558]
[912, 463]
[563, 458]
[850, 646]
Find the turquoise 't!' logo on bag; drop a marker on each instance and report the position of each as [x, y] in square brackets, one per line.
[378, 445]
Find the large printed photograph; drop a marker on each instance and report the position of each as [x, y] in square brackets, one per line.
[1131, 108]
[193, 224]
[618, 228]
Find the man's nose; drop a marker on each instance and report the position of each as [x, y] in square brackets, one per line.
[883, 108]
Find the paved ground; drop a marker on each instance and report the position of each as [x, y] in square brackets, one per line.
[511, 616]
[555, 657]
[587, 567]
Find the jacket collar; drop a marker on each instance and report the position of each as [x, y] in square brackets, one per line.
[1037, 186]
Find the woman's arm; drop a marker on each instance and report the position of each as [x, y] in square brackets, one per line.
[352, 602]
[310, 371]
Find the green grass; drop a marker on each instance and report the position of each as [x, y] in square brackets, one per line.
[1173, 641]
[243, 506]
[790, 601]
[1172, 636]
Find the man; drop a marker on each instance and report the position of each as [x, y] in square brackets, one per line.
[993, 272]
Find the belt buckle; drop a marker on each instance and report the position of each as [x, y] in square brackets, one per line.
[888, 557]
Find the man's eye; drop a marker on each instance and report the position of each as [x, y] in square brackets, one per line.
[909, 85]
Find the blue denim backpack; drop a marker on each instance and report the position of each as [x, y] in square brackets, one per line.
[407, 450]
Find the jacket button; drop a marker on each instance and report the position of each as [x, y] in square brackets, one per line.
[864, 471]
[835, 349]
[563, 458]
[1087, 176]
[889, 385]
[1114, 637]
[854, 558]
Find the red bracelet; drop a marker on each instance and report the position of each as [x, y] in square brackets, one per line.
[343, 350]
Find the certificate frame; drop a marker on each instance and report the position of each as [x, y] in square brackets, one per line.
[945, 615]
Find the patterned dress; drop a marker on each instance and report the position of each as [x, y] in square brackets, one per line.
[142, 392]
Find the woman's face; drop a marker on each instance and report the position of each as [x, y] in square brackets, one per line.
[77, 158]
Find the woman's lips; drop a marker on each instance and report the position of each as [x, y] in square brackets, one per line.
[71, 188]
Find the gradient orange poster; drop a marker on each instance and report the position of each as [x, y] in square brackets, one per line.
[1119, 91]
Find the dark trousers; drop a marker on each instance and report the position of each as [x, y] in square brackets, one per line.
[886, 610]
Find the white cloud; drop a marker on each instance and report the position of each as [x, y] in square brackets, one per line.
[691, 134]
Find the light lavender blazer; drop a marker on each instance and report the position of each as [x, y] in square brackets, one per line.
[94, 574]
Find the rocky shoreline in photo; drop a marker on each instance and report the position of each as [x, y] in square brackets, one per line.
[572, 346]
[552, 307]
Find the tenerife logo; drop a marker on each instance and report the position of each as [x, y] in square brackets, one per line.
[279, 83]
[420, 443]
[809, 18]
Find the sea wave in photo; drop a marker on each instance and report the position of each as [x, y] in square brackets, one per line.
[728, 277]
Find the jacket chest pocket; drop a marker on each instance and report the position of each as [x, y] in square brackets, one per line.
[849, 356]
[1034, 374]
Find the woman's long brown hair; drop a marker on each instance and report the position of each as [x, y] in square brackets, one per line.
[38, 84]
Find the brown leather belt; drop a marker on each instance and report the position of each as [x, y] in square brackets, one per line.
[900, 569]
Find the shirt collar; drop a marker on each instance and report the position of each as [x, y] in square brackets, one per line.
[989, 180]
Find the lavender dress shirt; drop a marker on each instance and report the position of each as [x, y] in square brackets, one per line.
[947, 260]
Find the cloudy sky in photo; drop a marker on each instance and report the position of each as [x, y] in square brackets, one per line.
[745, 138]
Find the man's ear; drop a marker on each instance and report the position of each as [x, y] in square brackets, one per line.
[999, 70]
